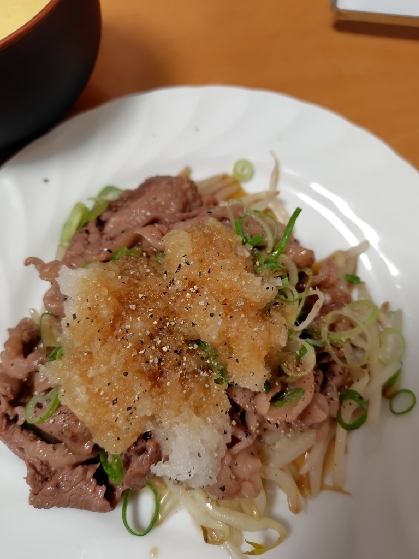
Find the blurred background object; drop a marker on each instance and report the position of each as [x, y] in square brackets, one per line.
[366, 72]
[399, 12]
[45, 62]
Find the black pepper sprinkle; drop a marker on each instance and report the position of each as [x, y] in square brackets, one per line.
[114, 401]
[125, 373]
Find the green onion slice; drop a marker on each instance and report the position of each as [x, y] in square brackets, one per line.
[392, 345]
[288, 294]
[160, 257]
[100, 206]
[113, 467]
[396, 395]
[363, 310]
[295, 361]
[78, 217]
[126, 251]
[254, 241]
[356, 397]
[393, 379]
[56, 354]
[214, 363]
[302, 351]
[47, 402]
[362, 313]
[350, 278]
[273, 267]
[280, 247]
[153, 518]
[314, 343]
[110, 193]
[239, 228]
[267, 386]
[288, 397]
[243, 170]
[49, 329]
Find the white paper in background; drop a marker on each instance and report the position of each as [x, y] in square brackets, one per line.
[388, 7]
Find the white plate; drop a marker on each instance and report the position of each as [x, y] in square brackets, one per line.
[350, 186]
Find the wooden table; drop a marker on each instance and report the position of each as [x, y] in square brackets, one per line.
[366, 72]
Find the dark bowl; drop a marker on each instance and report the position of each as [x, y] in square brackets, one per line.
[44, 67]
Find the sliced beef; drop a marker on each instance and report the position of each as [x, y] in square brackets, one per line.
[302, 257]
[74, 487]
[335, 298]
[327, 275]
[39, 382]
[138, 460]
[26, 444]
[159, 200]
[9, 386]
[20, 356]
[66, 427]
[48, 271]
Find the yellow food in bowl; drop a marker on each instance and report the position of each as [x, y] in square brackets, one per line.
[15, 13]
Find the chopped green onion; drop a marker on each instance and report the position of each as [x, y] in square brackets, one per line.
[393, 379]
[287, 293]
[56, 354]
[49, 329]
[288, 397]
[114, 467]
[77, 218]
[350, 278]
[280, 247]
[203, 345]
[99, 207]
[356, 397]
[110, 193]
[256, 240]
[126, 251]
[314, 343]
[359, 307]
[392, 345]
[153, 518]
[48, 402]
[398, 393]
[243, 170]
[267, 386]
[160, 257]
[221, 376]
[80, 214]
[356, 312]
[302, 351]
[239, 228]
[270, 266]
[214, 363]
[293, 366]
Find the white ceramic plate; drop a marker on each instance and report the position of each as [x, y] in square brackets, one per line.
[350, 186]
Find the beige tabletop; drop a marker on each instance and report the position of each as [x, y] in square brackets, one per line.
[367, 73]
